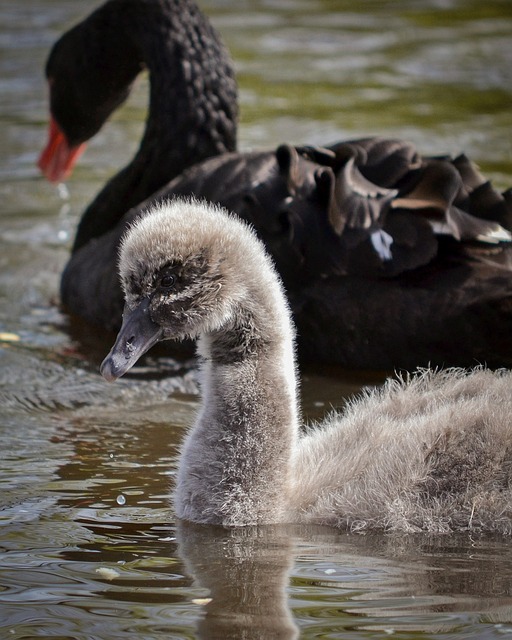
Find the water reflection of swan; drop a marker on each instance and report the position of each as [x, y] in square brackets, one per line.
[363, 232]
[246, 571]
[433, 454]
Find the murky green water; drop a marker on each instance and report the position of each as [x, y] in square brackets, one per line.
[89, 548]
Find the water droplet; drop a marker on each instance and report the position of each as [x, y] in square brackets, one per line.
[63, 191]
[121, 499]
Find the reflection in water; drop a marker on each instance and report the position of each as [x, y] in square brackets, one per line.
[246, 572]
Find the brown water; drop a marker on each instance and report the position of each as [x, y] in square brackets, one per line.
[88, 545]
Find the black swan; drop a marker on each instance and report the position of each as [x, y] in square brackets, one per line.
[389, 259]
[433, 453]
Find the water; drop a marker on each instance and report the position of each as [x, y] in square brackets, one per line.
[89, 547]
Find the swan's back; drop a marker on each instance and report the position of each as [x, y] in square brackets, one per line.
[432, 453]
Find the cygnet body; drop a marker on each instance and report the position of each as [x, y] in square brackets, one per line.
[432, 453]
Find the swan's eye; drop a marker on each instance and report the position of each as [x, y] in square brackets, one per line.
[167, 281]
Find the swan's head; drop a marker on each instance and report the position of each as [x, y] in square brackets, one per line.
[89, 70]
[185, 268]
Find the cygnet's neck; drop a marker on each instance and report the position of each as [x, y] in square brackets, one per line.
[235, 464]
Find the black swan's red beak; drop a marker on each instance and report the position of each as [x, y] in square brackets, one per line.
[58, 157]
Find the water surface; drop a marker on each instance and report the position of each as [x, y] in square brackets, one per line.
[89, 545]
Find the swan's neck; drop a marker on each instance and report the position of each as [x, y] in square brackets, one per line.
[235, 464]
[192, 111]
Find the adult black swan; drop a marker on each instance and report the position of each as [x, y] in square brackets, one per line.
[389, 259]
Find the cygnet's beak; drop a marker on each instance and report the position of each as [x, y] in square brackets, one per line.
[137, 335]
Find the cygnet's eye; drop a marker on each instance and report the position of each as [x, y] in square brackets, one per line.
[167, 281]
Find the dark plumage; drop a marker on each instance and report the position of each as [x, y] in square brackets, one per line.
[389, 259]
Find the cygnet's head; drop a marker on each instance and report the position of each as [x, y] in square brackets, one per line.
[185, 267]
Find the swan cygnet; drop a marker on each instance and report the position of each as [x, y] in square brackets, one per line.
[429, 453]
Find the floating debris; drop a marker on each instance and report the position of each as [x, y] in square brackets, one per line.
[107, 573]
[5, 336]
